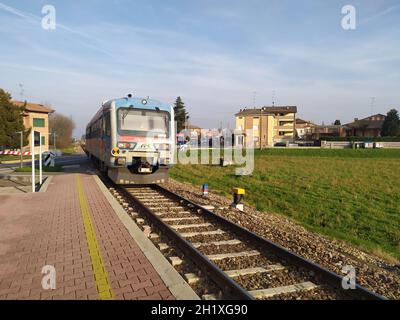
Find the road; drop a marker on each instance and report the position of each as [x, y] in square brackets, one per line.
[65, 160]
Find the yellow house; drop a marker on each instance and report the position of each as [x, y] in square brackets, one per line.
[270, 125]
[36, 116]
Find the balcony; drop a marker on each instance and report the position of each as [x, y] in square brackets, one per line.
[284, 128]
[284, 118]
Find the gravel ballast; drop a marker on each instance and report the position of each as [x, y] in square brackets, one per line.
[372, 272]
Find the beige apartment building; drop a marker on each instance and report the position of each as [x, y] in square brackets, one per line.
[270, 125]
[36, 116]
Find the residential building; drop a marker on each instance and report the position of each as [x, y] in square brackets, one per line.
[367, 127]
[269, 125]
[321, 131]
[304, 129]
[36, 116]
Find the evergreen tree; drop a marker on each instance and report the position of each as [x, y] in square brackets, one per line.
[11, 121]
[180, 114]
[337, 123]
[391, 125]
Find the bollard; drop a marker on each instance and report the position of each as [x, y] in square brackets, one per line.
[238, 194]
[205, 189]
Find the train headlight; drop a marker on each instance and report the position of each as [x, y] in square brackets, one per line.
[126, 145]
[162, 146]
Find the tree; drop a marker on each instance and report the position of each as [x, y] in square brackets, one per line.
[391, 125]
[11, 122]
[63, 127]
[180, 114]
[337, 123]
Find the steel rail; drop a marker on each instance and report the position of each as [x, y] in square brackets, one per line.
[229, 287]
[327, 275]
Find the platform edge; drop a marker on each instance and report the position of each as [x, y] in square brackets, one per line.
[179, 288]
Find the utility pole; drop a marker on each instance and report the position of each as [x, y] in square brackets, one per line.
[33, 159]
[21, 87]
[40, 159]
[273, 97]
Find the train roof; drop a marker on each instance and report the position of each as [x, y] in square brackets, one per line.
[133, 102]
[142, 103]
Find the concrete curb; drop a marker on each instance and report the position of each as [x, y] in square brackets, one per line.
[45, 184]
[172, 279]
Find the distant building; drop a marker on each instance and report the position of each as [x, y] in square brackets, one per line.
[321, 131]
[367, 127]
[193, 129]
[304, 129]
[36, 116]
[270, 125]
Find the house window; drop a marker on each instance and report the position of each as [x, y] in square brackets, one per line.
[43, 140]
[281, 133]
[38, 122]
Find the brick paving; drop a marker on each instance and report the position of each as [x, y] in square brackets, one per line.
[47, 229]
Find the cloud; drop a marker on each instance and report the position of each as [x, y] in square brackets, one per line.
[82, 37]
[325, 77]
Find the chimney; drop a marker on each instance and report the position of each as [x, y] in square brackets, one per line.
[355, 119]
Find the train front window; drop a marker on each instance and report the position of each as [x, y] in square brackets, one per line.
[142, 122]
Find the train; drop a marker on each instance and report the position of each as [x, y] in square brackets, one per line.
[132, 140]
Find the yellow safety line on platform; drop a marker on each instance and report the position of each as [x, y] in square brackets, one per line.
[100, 272]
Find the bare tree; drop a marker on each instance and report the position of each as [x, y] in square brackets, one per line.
[63, 126]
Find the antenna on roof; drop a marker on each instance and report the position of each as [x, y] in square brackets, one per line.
[21, 93]
[254, 98]
[273, 98]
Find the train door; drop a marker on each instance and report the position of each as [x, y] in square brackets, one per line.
[106, 136]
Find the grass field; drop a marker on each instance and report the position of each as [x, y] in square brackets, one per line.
[353, 195]
[45, 169]
[11, 157]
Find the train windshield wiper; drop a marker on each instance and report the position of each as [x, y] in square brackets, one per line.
[125, 113]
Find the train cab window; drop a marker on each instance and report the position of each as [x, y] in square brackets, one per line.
[107, 124]
[143, 122]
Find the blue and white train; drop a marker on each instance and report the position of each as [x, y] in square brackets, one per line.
[132, 140]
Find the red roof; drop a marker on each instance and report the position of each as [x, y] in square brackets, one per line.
[33, 107]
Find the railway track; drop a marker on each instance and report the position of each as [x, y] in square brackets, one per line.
[241, 263]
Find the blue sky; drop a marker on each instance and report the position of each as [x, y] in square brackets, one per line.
[214, 54]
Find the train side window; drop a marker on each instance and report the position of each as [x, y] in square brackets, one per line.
[107, 121]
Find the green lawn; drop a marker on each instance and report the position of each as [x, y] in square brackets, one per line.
[353, 195]
[12, 157]
[45, 169]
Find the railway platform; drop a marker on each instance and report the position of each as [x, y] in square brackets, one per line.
[74, 241]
